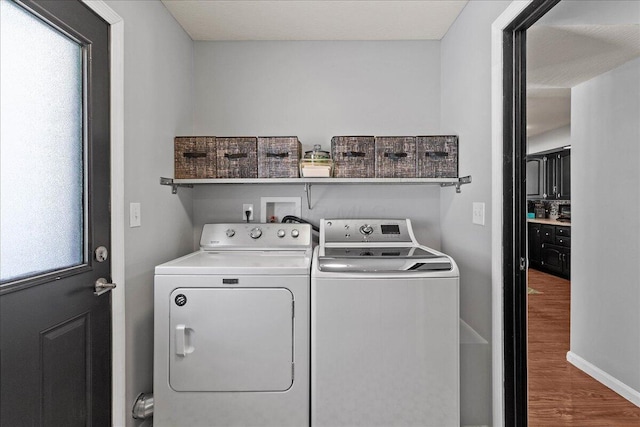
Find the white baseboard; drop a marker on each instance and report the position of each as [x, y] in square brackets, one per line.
[601, 376]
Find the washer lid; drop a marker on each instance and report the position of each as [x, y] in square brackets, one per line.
[383, 253]
[366, 264]
[239, 262]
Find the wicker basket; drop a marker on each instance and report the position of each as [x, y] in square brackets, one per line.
[194, 157]
[395, 157]
[278, 156]
[237, 157]
[354, 156]
[437, 156]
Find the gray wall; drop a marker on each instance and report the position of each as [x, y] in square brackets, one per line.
[556, 138]
[316, 90]
[605, 290]
[158, 93]
[466, 111]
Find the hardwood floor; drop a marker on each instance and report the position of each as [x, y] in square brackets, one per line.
[559, 393]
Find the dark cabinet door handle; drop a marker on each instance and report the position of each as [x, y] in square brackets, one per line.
[194, 154]
[233, 156]
[278, 155]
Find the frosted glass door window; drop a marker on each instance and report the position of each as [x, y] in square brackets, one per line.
[42, 218]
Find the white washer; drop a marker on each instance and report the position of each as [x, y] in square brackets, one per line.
[384, 328]
[232, 329]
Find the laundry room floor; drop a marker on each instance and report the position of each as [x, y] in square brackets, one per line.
[559, 393]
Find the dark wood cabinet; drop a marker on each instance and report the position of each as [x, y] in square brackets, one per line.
[535, 177]
[549, 176]
[555, 259]
[558, 175]
[535, 245]
[550, 248]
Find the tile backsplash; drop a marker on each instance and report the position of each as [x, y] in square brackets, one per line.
[550, 206]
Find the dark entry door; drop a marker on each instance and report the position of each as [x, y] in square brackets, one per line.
[55, 333]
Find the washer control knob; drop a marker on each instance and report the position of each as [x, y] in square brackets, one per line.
[281, 233]
[295, 233]
[231, 232]
[255, 233]
[366, 229]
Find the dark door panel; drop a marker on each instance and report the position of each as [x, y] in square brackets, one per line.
[535, 245]
[55, 334]
[552, 258]
[535, 177]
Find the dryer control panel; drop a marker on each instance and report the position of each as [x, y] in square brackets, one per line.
[242, 236]
[366, 231]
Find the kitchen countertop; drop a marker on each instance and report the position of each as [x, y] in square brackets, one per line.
[549, 221]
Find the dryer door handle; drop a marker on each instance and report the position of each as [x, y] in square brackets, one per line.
[183, 340]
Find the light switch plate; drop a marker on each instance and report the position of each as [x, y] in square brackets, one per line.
[478, 213]
[134, 215]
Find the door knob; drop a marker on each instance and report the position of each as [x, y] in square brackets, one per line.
[102, 286]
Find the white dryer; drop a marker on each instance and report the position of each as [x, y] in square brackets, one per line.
[232, 329]
[384, 328]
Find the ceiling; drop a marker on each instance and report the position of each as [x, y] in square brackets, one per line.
[315, 19]
[561, 57]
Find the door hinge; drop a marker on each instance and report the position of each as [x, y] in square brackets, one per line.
[523, 264]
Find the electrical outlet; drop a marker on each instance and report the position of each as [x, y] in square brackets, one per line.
[247, 207]
[478, 213]
[134, 215]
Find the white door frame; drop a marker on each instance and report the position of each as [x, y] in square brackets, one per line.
[116, 48]
[497, 272]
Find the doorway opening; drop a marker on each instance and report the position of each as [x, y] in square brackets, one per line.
[533, 177]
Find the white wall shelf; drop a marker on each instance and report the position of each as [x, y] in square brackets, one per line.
[308, 182]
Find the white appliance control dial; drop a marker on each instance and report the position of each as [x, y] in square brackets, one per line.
[366, 229]
[295, 233]
[231, 232]
[255, 233]
[281, 233]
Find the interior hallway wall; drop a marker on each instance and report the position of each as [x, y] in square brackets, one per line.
[158, 91]
[605, 289]
[466, 111]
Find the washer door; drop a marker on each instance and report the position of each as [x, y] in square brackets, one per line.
[231, 339]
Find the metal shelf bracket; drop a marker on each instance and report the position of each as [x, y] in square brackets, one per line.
[174, 187]
[461, 181]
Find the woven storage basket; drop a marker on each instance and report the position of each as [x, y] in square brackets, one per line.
[279, 156]
[395, 157]
[437, 156]
[194, 157]
[353, 156]
[237, 157]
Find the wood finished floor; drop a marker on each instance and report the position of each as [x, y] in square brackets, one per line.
[559, 393]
